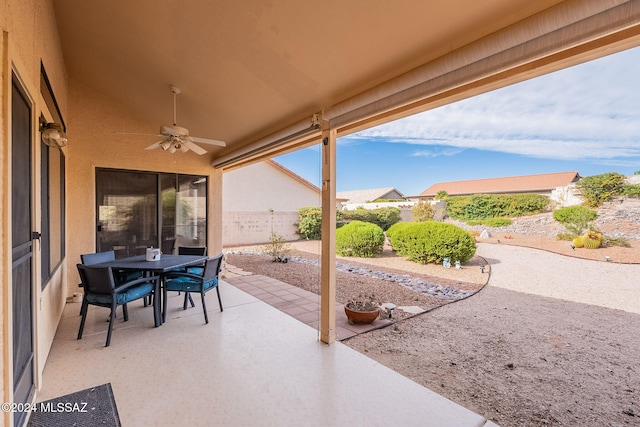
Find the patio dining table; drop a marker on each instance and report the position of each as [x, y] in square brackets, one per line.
[165, 264]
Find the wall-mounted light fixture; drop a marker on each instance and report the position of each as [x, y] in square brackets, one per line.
[53, 135]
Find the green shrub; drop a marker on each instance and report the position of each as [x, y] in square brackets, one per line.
[491, 222]
[482, 206]
[597, 189]
[575, 218]
[391, 232]
[440, 195]
[310, 225]
[432, 242]
[361, 239]
[616, 241]
[631, 190]
[382, 217]
[422, 211]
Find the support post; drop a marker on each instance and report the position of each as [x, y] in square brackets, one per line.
[328, 257]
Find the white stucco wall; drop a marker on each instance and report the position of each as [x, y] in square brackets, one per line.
[261, 198]
[566, 196]
[262, 186]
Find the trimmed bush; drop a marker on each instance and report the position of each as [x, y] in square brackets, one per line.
[360, 239]
[382, 217]
[394, 229]
[575, 218]
[432, 242]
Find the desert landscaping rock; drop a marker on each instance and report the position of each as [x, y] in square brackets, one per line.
[413, 283]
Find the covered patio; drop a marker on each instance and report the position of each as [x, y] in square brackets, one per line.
[252, 365]
[267, 78]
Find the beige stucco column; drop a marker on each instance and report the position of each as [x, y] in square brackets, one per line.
[328, 260]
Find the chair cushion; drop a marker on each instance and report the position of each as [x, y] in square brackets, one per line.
[195, 270]
[187, 284]
[211, 283]
[129, 295]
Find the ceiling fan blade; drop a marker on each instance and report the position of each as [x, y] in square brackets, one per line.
[154, 145]
[208, 141]
[193, 147]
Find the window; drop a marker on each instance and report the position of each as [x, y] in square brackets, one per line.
[52, 192]
[136, 210]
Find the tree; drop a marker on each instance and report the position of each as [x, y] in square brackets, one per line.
[421, 212]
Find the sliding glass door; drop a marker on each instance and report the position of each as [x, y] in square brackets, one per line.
[136, 210]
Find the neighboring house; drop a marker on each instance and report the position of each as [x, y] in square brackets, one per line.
[558, 186]
[366, 199]
[262, 198]
[368, 196]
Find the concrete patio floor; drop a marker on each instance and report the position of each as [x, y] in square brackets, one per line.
[251, 365]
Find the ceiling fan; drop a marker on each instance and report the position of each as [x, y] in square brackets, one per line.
[177, 138]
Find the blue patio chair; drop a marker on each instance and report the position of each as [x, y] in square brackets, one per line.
[106, 256]
[192, 250]
[100, 289]
[194, 283]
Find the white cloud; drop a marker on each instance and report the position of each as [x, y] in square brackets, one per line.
[591, 111]
[437, 152]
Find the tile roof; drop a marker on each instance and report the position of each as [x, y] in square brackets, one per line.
[510, 184]
[364, 196]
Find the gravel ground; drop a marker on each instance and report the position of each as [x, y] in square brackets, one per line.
[348, 285]
[551, 340]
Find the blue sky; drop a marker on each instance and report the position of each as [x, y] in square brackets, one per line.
[585, 119]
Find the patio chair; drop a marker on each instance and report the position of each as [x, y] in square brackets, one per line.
[194, 283]
[100, 289]
[167, 246]
[192, 250]
[106, 256]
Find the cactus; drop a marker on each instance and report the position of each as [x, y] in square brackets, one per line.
[578, 243]
[592, 239]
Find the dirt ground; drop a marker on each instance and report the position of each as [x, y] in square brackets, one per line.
[516, 358]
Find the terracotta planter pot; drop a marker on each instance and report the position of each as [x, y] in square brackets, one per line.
[361, 317]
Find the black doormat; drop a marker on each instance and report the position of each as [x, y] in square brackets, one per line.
[94, 406]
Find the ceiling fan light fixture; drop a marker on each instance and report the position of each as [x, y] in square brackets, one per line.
[177, 137]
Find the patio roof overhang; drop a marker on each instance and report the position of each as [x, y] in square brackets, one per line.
[272, 77]
[258, 74]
